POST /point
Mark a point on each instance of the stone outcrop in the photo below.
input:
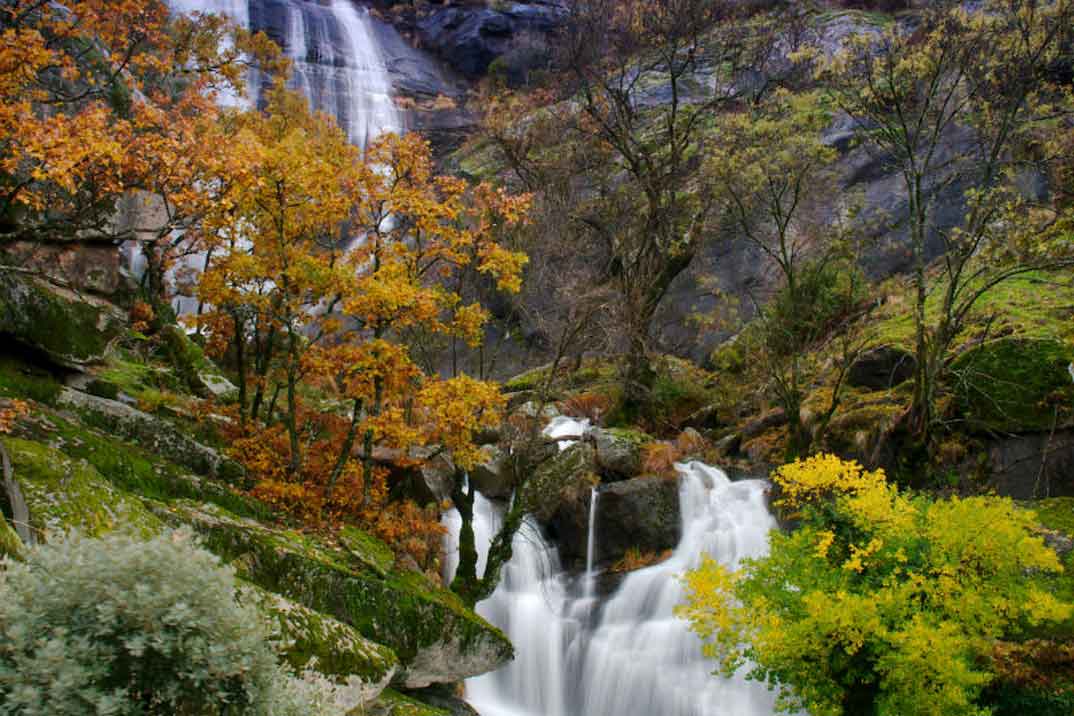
(157, 435)
(72, 330)
(881, 368)
(435, 637)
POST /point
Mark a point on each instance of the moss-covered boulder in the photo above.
(72, 330)
(393, 703)
(198, 372)
(563, 479)
(156, 435)
(619, 452)
(437, 639)
(312, 642)
(63, 494)
(1015, 385)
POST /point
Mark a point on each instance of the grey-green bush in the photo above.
(117, 626)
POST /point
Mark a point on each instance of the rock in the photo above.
(393, 703)
(436, 638)
(491, 476)
(367, 549)
(729, 444)
(1033, 466)
(529, 409)
(1062, 544)
(72, 330)
(471, 38)
(156, 435)
(199, 373)
(83, 265)
(641, 513)
(64, 494)
(358, 668)
(772, 419)
(881, 368)
(618, 452)
(564, 479)
(425, 475)
(443, 697)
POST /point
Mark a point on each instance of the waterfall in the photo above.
(337, 60)
(591, 545)
(635, 658)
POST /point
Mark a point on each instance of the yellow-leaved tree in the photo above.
(882, 602)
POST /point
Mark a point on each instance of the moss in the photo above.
(367, 549)
(19, 379)
(311, 639)
(139, 472)
(637, 438)
(571, 470)
(404, 612)
(1055, 513)
(69, 329)
(393, 703)
(103, 389)
(1014, 384)
(63, 494)
(10, 544)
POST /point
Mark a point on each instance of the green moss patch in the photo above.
(367, 549)
(1015, 384)
(64, 494)
(19, 379)
(1055, 513)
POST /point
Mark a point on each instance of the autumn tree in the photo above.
(882, 602)
(958, 100)
(105, 102)
(629, 120)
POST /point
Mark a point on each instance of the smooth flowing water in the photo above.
(626, 655)
(338, 63)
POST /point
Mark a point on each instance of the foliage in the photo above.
(118, 626)
(882, 602)
(961, 70)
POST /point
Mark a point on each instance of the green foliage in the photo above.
(119, 626)
(824, 295)
(882, 602)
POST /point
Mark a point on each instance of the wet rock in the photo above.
(618, 452)
(642, 513)
(1033, 466)
(491, 476)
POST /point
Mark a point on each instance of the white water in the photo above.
(637, 659)
(338, 63)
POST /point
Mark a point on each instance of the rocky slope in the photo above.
(108, 442)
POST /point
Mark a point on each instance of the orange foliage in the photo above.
(659, 458)
(591, 405)
(10, 413)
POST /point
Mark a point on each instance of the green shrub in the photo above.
(116, 626)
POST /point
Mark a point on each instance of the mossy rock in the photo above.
(437, 639)
(72, 330)
(155, 434)
(65, 494)
(315, 641)
(393, 703)
(367, 549)
(1015, 385)
(198, 372)
(567, 475)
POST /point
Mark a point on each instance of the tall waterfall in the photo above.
(337, 60)
(632, 656)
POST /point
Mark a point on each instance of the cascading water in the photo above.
(337, 60)
(631, 656)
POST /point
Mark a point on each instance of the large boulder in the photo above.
(62, 494)
(561, 481)
(642, 514)
(1032, 466)
(618, 452)
(70, 329)
(492, 475)
(437, 639)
